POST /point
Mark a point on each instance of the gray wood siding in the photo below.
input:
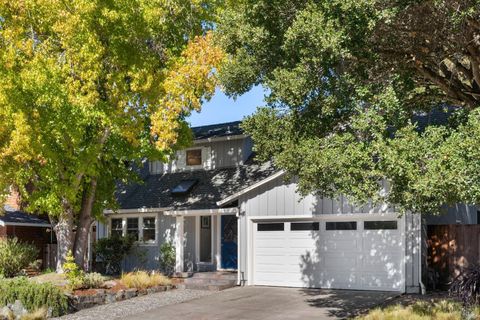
(220, 154)
(457, 214)
(189, 255)
(277, 198)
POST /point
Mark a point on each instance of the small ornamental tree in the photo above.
(89, 88)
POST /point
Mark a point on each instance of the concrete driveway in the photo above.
(271, 303)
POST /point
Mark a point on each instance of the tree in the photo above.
(88, 88)
(349, 84)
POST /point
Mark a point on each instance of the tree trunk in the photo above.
(85, 220)
(64, 233)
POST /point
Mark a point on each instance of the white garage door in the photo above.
(356, 254)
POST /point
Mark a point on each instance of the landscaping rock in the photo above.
(109, 284)
(6, 314)
(130, 293)
(120, 295)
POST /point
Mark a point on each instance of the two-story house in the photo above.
(225, 211)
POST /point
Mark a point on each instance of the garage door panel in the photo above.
(338, 259)
(328, 244)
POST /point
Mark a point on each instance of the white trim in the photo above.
(138, 210)
(201, 212)
(22, 224)
(197, 238)
(250, 188)
(218, 139)
(179, 245)
(218, 254)
(212, 240)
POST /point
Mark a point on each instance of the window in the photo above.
(132, 227)
(184, 187)
(350, 225)
(270, 227)
(117, 227)
(304, 226)
(194, 157)
(380, 225)
(149, 229)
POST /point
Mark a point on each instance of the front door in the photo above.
(229, 242)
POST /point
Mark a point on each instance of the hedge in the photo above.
(33, 295)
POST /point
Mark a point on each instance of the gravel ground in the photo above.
(121, 309)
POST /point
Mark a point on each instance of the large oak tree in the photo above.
(350, 84)
(88, 88)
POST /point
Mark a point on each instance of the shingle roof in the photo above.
(213, 185)
(10, 215)
(217, 130)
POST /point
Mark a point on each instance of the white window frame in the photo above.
(140, 227)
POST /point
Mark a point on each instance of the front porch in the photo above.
(206, 240)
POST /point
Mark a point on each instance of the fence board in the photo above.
(451, 249)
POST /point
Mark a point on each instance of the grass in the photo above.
(143, 280)
(423, 310)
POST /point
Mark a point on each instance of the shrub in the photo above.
(93, 280)
(112, 251)
(466, 286)
(15, 256)
(75, 276)
(143, 280)
(420, 310)
(167, 258)
(33, 295)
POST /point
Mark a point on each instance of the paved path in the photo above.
(270, 303)
(122, 309)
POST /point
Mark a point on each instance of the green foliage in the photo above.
(93, 280)
(111, 251)
(143, 280)
(422, 310)
(15, 256)
(346, 80)
(88, 89)
(33, 295)
(73, 273)
(167, 257)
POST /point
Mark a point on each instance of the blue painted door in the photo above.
(229, 242)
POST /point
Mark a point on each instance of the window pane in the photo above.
(117, 229)
(194, 157)
(270, 227)
(304, 226)
(148, 229)
(378, 225)
(350, 225)
(132, 227)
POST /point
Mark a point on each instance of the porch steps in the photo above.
(212, 281)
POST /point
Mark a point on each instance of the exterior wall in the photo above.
(277, 198)
(3, 232)
(189, 254)
(216, 154)
(412, 252)
(458, 214)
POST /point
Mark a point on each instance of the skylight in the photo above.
(184, 187)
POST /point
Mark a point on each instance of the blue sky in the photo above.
(223, 109)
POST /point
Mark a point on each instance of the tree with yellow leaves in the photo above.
(88, 88)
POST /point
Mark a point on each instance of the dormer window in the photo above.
(194, 157)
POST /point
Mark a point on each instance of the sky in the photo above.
(223, 109)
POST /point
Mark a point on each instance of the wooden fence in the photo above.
(451, 249)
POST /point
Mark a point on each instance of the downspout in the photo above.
(423, 290)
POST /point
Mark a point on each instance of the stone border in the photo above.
(103, 296)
